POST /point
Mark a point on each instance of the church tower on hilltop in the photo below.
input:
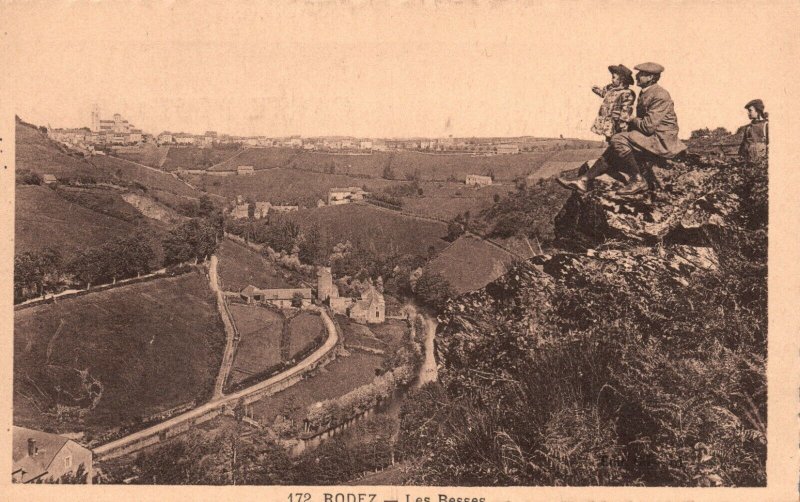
(95, 118)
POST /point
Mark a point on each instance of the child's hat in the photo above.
(622, 71)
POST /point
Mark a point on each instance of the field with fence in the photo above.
(259, 347)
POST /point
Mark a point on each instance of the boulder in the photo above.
(693, 197)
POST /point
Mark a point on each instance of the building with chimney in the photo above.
(43, 457)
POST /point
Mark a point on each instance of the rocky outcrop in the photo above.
(693, 198)
(632, 353)
(643, 244)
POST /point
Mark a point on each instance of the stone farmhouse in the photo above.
(478, 180)
(281, 298)
(370, 308)
(41, 456)
(284, 208)
(345, 195)
(261, 209)
(240, 211)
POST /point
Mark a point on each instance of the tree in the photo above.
(281, 235)
(388, 173)
(297, 299)
(310, 246)
(205, 207)
(87, 266)
(195, 240)
(433, 289)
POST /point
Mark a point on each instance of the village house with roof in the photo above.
(345, 195)
(40, 456)
(478, 180)
(278, 297)
(370, 308)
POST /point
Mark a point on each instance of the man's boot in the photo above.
(636, 183)
(635, 186)
(581, 184)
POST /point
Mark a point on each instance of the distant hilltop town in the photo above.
(117, 133)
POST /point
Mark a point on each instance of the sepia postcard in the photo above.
(422, 251)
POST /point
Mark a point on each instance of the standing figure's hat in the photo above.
(757, 104)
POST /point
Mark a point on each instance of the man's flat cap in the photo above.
(649, 67)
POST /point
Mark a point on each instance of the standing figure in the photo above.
(617, 107)
(755, 142)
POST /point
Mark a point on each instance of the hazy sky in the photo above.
(375, 69)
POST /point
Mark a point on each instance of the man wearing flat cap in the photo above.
(653, 130)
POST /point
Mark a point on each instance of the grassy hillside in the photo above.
(372, 228)
(259, 158)
(129, 172)
(43, 218)
(240, 266)
(105, 359)
(445, 200)
(148, 154)
(34, 151)
(402, 165)
(74, 218)
(192, 157)
(282, 185)
(470, 263)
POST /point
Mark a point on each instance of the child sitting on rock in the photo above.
(617, 107)
(756, 134)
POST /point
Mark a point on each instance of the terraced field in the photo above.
(336, 379)
(260, 329)
(303, 329)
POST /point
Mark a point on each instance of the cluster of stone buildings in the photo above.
(369, 307)
(241, 209)
(115, 131)
(337, 196)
